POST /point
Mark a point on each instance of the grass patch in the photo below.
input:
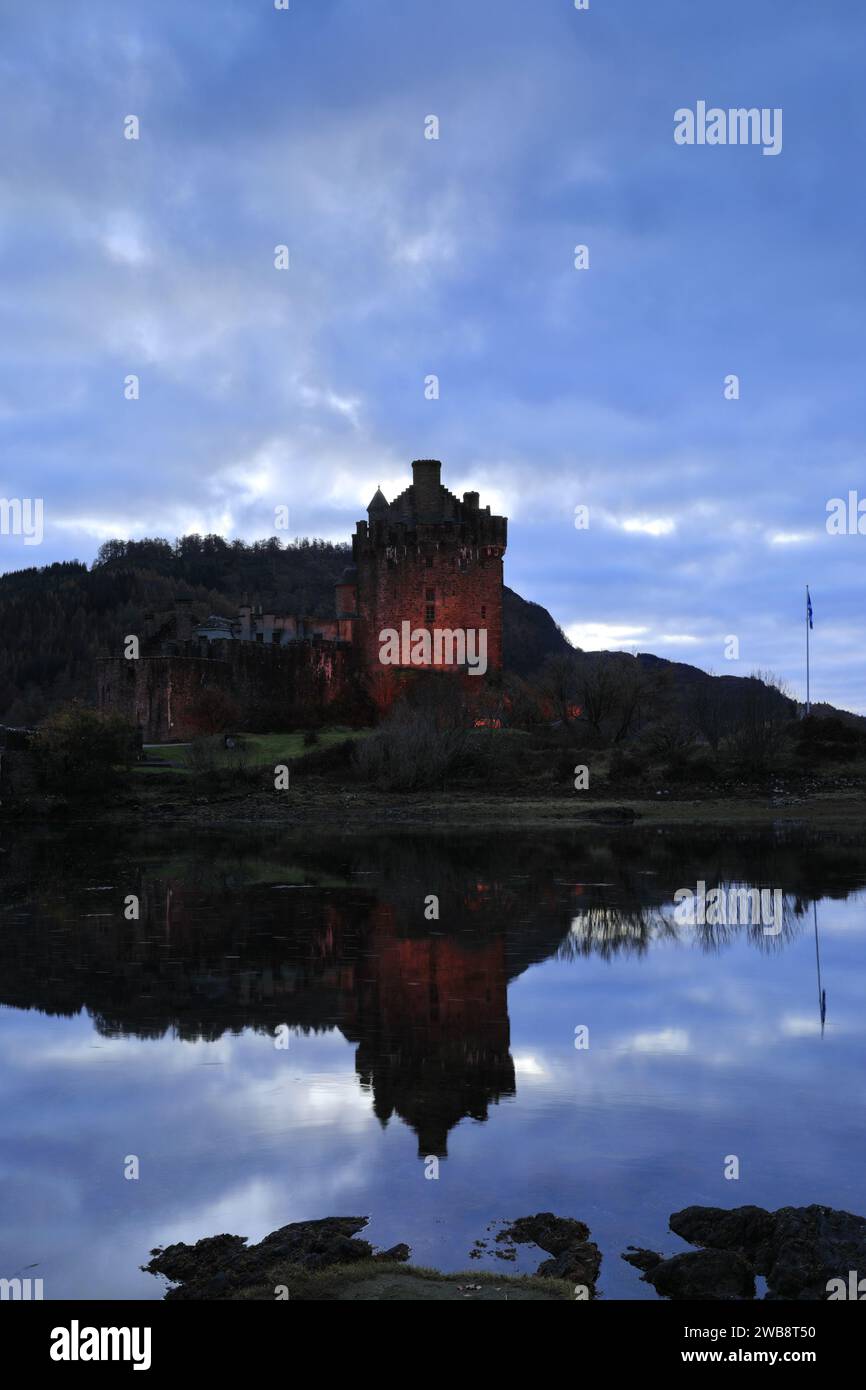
(257, 750)
(380, 1281)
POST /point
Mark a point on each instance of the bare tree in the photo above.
(597, 691)
(559, 685)
(763, 709)
(709, 708)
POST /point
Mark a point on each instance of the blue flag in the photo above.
(809, 606)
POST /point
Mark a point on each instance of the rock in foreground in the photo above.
(798, 1250)
(575, 1257)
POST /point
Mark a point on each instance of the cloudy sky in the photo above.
(411, 257)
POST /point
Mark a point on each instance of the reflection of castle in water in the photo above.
(342, 943)
(431, 1022)
(426, 1008)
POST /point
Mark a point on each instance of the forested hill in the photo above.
(55, 621)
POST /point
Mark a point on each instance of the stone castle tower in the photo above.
(427, 559)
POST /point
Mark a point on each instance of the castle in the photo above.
(427, 563)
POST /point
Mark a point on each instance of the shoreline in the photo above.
(329, 807)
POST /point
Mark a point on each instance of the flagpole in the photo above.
(822, 997)
(808, 702)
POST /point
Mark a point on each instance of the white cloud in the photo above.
(800, 1026)
(124, 240)
(790, 537)
(592, 637)
(650, 526)
(666, 1040)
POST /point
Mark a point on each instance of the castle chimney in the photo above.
(183, 620)
(426, 488)
(471, 499)
(347, 593)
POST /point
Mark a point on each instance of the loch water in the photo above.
(278, 1027)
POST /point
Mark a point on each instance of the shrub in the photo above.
(626, 766)
(82, 751)
(829, 738)
(202, 756)
(334, 757)
(703, 767)
(208, 760)
(677, 768)
(410, 751)
(504, 758)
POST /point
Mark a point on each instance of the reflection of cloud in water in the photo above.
(666, 1040)
(403, 1036)
(529, 1066)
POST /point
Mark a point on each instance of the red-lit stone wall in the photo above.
(461, 582)
(163, 694)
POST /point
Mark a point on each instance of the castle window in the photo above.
(429, 562)
(483, 611)
(431, 595)
(431, 614)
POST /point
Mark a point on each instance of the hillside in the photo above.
(55, 621)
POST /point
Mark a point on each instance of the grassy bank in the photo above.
(507, 777)
(356, 779)
(378, 1281)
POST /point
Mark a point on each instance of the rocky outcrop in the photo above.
(220, 1266)
(576, 1258)
(744, 1229)
(322, 1260)
(798, 1250)
(703, 1275)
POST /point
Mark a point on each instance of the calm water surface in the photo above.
(411, 1038)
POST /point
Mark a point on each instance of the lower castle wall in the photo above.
(180, 696)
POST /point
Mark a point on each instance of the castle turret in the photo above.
(378, 505)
